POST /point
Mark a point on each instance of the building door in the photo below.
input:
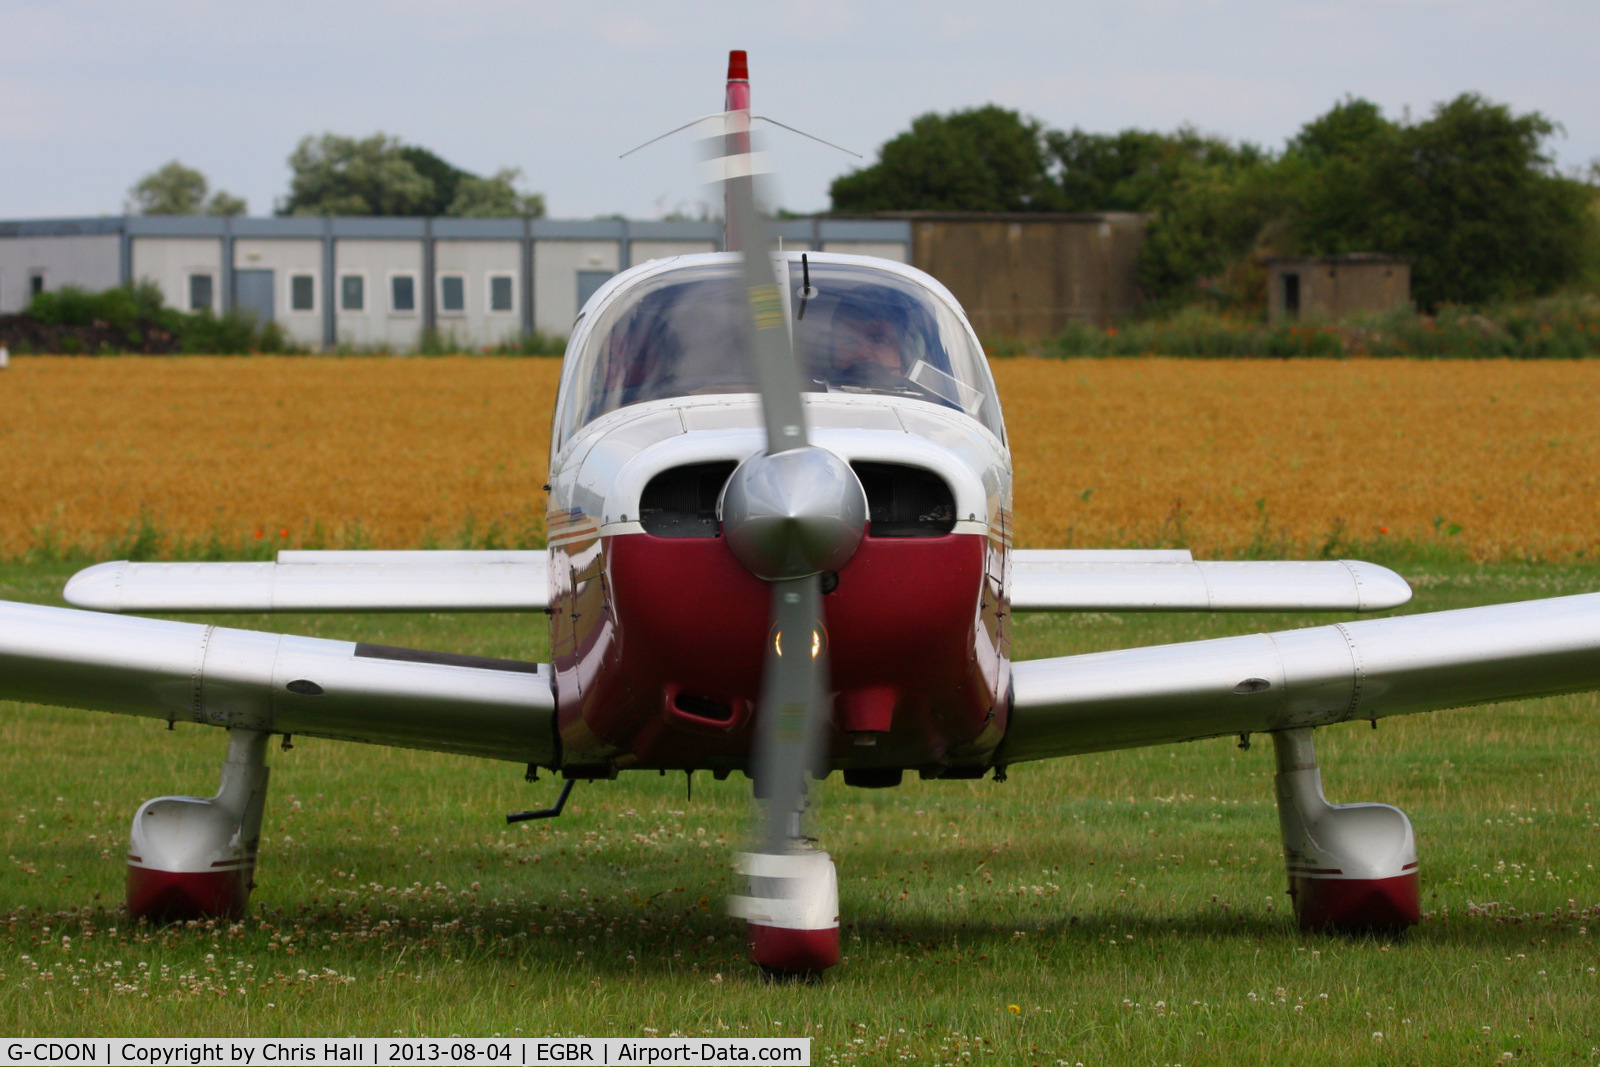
(589, 283)
(252, 293)
(1291, 294)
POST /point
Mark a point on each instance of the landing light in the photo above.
(816, 643)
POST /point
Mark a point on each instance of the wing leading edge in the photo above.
(1110, 581)
(1297, 678)
(178, 671)
(322, 581)
(519, 581)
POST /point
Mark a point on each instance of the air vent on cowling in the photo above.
(905, 501)
(682, 502)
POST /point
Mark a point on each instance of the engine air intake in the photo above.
(682, 502)
(905, 501)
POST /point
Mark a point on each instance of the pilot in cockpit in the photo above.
(866, 347)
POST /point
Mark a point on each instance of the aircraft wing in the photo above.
(178, 671)
(1172, 581)
(1069, 580)
(322, 581)
(1310, 677)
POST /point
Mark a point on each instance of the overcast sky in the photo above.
(94, 94)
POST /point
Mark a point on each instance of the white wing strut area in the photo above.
(318, 581)
(1311, 677)
(186, 672)
(1108, 581)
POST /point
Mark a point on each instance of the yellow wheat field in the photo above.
(1508, 452)
(404, 452)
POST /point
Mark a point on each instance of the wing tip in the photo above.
(97, 588)
(1377, 587)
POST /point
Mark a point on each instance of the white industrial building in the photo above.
(381, 282)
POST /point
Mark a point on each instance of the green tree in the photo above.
(336, 175)
(225, 203)
(444, 177)
(1472, 198)
(1209, 230)
(1354, 128)
(981, 159)
(378, 175)
(175, 189)
(1132, 170)
(1332, 165)
(494, 197)
(1468, 195)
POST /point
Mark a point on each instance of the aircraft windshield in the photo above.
(860, 330)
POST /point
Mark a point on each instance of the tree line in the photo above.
(1469, 194)
(336, 175)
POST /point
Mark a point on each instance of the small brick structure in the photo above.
(1030, 276)
(1332, 287)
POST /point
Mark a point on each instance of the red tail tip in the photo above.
(738, 66)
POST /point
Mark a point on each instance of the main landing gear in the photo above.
(190, 858)
(1352, 867)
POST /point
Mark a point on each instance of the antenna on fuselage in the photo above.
(733, 124)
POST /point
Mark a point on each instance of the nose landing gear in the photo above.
(792, 911)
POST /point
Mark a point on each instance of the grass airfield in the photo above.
(1119, 908)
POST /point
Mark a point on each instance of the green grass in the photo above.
(1556, 327)
(1119, 908)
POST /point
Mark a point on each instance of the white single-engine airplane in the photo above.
(779, 543)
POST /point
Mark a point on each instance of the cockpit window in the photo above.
(856, 330)
(680, 333)
(869, 331)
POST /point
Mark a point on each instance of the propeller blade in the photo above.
(788, 514)
(790, 718)
(789, 728)
(772, 358)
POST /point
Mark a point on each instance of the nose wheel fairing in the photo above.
(792, 913)
(666, 671)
